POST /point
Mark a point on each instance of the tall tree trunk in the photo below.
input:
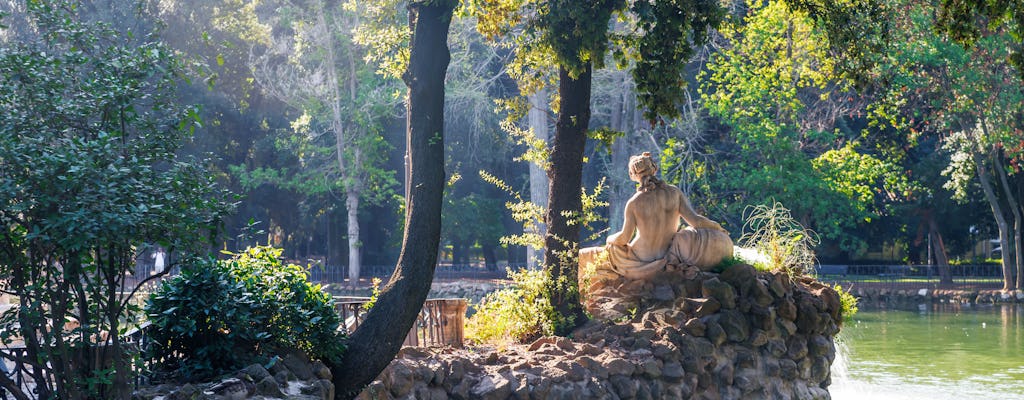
(997, 212)
(537, 118)
(352, 181)
(378, 339)
(1018, 251)
(354, 259)
(621, 187)
(561, 244)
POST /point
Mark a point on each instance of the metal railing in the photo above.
(973, 276)
(439, 323)
(14, 361)
(338, 274)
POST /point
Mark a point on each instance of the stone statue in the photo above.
(653, 215)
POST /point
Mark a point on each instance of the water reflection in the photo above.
(935, 352)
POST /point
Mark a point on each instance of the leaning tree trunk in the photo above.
(997, 212)
(1018, 250)
(380, 336)
(561, 244)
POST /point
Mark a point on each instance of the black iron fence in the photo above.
(439, 323)
(16, 366)
(338, 274)
(976, 276)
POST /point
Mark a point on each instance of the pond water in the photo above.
(935, 353)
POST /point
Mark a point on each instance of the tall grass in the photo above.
(782, 243)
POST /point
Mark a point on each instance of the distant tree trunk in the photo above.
(997, 212)
(490, 259)
(1018, 250)
(459, 253)
(538, 122)
(619, 185)
(561, 244)
(354, 259)
(938, 249)
(352, 184)
(378, 339)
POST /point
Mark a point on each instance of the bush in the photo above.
(516, 314)
(848, 304)
(781, 242)
(220, 315)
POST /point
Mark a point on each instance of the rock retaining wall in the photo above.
(907, 298)
(738, 335)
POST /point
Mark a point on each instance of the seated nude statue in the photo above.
(658, 245)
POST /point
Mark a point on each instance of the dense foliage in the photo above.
(89, 181)
(219, 315)
(519, 313)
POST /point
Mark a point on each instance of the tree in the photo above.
(966, 22)
(773, 84)
(311, 64)
(89, 180)
(970, 96)
(380, 336)
(573, 37)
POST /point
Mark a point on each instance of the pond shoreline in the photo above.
(881, 298)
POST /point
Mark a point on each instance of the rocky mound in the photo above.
(293, 377)
(736, 335)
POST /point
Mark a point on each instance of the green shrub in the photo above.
(848, 303)
(516, 314)
(220, 315)
(729, 262)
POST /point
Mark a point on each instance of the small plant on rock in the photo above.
(782, 243)
(847, 303)
(219, 315)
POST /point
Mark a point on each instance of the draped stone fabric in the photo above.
(700, 248)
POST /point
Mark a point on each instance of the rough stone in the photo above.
(788, 369)
(492, 387)
(186, 392)
(268, 387)
(255, 372)
(807, 320)
(663, 293)
(735, 325)
(399, 378)
(797, 346)
(820, 346)
(721, 291)
(715, 333)
(673, 370)
(624, 387)
(786, 309)
(619, 366)
(695, 327)
(740, 276)
(299, 364)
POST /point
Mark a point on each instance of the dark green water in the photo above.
(932, 354)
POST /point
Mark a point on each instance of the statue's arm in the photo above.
(622, 238)
(692, 218)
